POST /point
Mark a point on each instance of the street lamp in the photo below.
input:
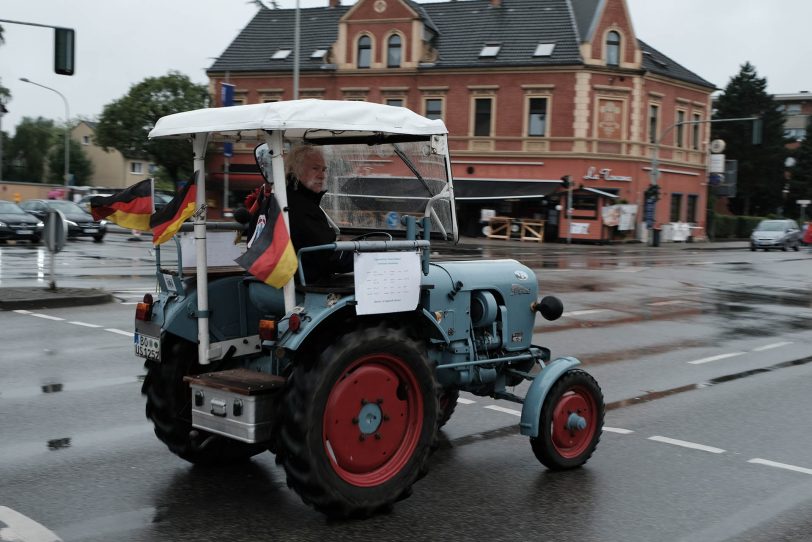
(67, 132)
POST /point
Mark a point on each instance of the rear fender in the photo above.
(539, 387)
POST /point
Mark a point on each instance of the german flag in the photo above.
(131, 208)
(166, 222)
(271, 257)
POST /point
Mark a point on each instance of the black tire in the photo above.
(797, 246)
(560, 448)
(36, 240)
(98, 238)
(169, 407)
(360, 421)
(752, 248)
(784, 247)
(448, 403)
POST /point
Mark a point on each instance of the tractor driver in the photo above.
(309, 226)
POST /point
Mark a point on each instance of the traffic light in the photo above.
(653, 192)
(64, 50)
(565, 181)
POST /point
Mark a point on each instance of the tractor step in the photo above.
(238, 403)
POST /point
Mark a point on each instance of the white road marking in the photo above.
(120, 332)
(771, 346)
(464, 401)
(84, 324)
(686, 444)
(767, 462)
(617, 430)
(133, 303)
(631, 269)
(669, 302)
(23, 529)
(45, 316)
(583, 312)
(505, 410)
(716, 358)
(21, 311)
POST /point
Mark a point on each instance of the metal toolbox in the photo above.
(237, 403)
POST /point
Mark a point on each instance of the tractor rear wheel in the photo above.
(571, 422)
(169, 407)
(360, 421)
(448, 403)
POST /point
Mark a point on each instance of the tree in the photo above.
(28, 149)
(125, 123)
(800, 186)
(761, 166)
(80, 166)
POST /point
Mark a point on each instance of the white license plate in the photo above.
(24, 232)
(147, 347)
(91, 230)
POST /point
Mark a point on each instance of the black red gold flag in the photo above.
(166, 222)
(271, 257)
(131, 208)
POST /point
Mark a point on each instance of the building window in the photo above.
(680, 135)
(586, 204)
(281, 54)
(395, 102)
(393, 52)
(136, 167)
(85, 140)
(318, 54)
(697, 131)
(613, 49)
(544, 49)
(693, 199)
(482, 116)
(490, 50)
(676, 207)
(653, 122)
(793, 109)
(364, 52)
(537, 117)
(434, 108)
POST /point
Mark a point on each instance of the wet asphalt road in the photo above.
(703, 356)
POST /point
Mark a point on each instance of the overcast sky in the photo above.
(121, 42)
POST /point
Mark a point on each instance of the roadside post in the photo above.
(803, 203)
(55, 236)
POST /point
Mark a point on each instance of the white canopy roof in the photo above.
(316, 118)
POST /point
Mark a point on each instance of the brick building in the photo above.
(530, 90)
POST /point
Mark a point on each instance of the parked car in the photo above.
(80, 222)
(781, 234)
(16, 224)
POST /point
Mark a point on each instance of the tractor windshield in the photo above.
(370, 187)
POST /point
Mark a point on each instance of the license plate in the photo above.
(24, 232)
(91, 230)
(147, 347)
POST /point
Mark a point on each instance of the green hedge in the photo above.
(734, 227)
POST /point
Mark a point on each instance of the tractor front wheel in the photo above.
(359, 422)
(571, 422)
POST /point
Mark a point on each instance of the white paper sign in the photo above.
(581, 228)
(386, 282)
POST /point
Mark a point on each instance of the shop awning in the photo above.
(467, 189)
(601, 193)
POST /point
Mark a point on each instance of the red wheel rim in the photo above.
(373, 419)
(570, 443)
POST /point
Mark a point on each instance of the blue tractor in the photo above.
(348, 380)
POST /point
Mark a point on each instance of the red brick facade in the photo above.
(597, 127)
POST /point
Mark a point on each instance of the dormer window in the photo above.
(364, 52)
(544, 49)
(490, 50)
(318, 54)
(613, 49)
(281, 54)
(393, 54)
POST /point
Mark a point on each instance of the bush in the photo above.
(734, 227)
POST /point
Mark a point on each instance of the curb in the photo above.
(44, 298)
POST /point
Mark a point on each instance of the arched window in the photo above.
(613, 49)
(364, 52)
(393, 52)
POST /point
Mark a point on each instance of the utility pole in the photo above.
(566, 182)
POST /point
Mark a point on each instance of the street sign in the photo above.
(803, 201)
(717, 163)
(648, 212)
(56, 231)
(715, 179)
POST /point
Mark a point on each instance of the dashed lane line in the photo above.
(716, 358)
(464, 401)
(120, 332)
(669, 302)
(767, 462)
(618, 430)
(38, 315)
(22, 528)
(686, 444)
(771, 346)
(83, 324)
(583, 312)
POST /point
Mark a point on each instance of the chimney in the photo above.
(496, 3)
(335, 3)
